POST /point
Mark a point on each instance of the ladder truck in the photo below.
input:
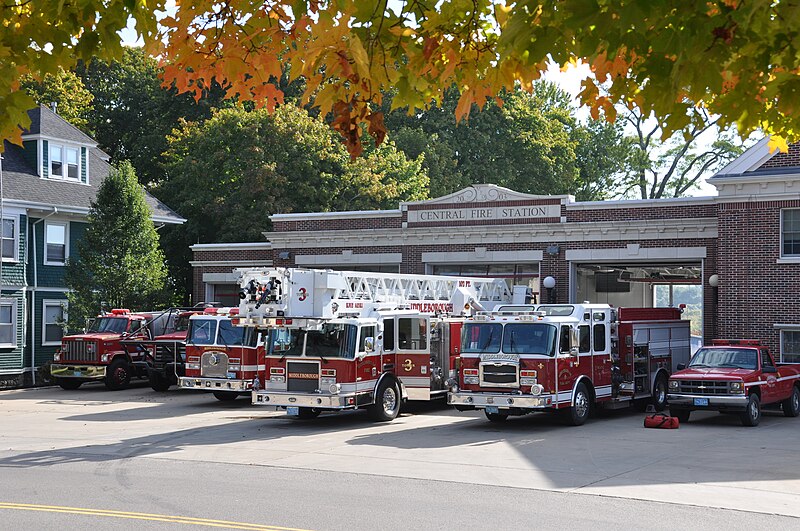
(340, 340)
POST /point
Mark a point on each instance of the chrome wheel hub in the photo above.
(581, 404)
(389, 400)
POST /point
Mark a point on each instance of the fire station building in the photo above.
(732, 259)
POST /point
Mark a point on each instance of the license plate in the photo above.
(492, 409)
(701, 401)
(78, 373)
(231, 375)
(293, 411)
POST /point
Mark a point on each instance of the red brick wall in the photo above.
(755, 292)
(339, 224)
(784, 160)
(641, 213)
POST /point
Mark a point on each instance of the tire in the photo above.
(118, 375)
(791, 406)
(308, 413)
(681, 414)
(68, 383)
(159, 383)
(387, 402)
(659, 400)
(495, 417)
(752, 415)
(226, 396)
(579, 411)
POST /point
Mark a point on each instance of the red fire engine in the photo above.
(220, 357)
(569, 357)
(340, 340)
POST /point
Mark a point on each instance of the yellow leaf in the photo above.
(777, 142)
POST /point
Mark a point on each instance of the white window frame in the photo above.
(782, 241)
(64, 305)
(15, 258)
(13, 304)
(64, 224)
(783, 332)
(62, 148)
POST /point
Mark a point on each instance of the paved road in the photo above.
(169, 457)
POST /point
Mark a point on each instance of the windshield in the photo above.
(114, 325)
(332, 341)
(202, 331)
(737, 358)
(482, 337)
(230, 335)
(529, 338)
(556, 311)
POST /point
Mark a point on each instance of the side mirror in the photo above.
(369, 344)
(574, 341)
(681, 366)
(573, 351)
(769, 370)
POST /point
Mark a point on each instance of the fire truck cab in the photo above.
(220, 357)
(571, 357)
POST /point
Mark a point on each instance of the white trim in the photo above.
(64, 224)
(351, 258)
(39, 136)
(81, 211)
(14, 310)
(635, 253)
(482, 256)
(359, 214)
(786, 325)
(752, 159)
(232, 263)
(485, 193)
(16, 220)
(642, 203)
(265, 246)
(64, 304)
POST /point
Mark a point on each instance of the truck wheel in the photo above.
(579, 411)
(752, 415)
(495, 417)
(681, 414)
(118, 375)
(791, 406)
(158, 383)
(68, 383)
(660, 393)
(387, 402)
(308, 413)
(225, 396)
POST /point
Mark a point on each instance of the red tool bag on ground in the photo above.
(660, 420)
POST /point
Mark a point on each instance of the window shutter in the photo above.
(84, 177)
(45, 159)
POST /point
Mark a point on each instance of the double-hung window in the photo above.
(72, 163)
(56, 161)
(64, 162)
(8, 241)
(790, 232)
(56, 234)
(790, 346)
(8, 322)
(55, 315)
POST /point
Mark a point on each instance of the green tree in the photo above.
(65, 89)
(119, 263)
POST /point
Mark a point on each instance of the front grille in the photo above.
(498, 374)
(703, 387)
(214, 364)
(165, 352)
(302, 376)
(79, 351)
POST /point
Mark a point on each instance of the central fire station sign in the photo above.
(484, 213)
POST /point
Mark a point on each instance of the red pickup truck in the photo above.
(734, 376)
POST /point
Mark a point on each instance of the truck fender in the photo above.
(656, 375)
(390, 376)
(589, 387)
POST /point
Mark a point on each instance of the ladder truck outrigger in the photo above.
(339, 340)
(568, 357)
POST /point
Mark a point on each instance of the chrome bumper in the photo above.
(714, 401)
(214, 384)
(84, 372)
(284, 399)
(499, 400)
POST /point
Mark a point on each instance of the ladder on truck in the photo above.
(298, 293)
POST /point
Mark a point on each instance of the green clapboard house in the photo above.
(47, 187)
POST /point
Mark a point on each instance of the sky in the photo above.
(569, 81)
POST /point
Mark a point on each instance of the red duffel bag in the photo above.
(660, 420)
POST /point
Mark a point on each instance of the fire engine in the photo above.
(570, 357)
(339, 340)
(98, 353)
(220, 357)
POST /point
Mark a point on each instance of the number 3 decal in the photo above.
(303, 294)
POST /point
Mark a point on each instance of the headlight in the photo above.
(335, 388)
(471, 380)
(57, 356)
(527, 381)
(674, 385)
(737, 387)
(105, 357)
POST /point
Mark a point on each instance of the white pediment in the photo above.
(484, 193)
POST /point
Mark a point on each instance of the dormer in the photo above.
(55, 148)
